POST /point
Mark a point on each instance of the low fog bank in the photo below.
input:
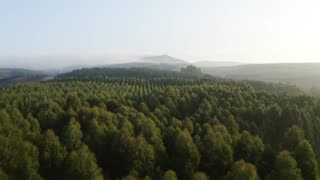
(59, 62)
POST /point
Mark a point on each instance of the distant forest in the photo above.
(140, 123)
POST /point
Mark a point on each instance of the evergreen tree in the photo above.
(200, 176)
(81, 164)
(18, 158)
(249, 147)
(293, 137)
(217, 152)
(307, 160)
(170, 175)
(285, 168)
(186, 156)
(242, 170)
(72, 135)
(52, 155)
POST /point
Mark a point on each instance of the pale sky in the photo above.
(254, 31)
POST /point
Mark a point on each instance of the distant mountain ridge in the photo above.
(163, 59)
(215, 63)
(13, 76)
(304, 75)
(167, 62)
(9, 72)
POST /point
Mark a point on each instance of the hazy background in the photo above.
(68, 32)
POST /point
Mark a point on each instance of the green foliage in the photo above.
(200, 176)
(249, 147)
(81, 164)
(52, 155)
(169, 175)
(140, 123)
(72, 135)
(3, 175)
(191, 70)
(307, 160)
(293, 137)
(145, 158)
(186, 157)
(73, 101)
(285, 168)
(216, 150)
(18, 158)
(232, 126)
(242, 170)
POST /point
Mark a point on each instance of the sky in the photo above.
(66, 32)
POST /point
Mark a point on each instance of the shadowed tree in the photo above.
(72, 135)
(293, 137)
(18, 158)
(242, 170)
(185, 158)
(73, 101)
(3, 175)
(200, 176)
(52, 155)
(216, 151)
(170, 175)
(145, 158)
(81, 164)
(307, 160)
(248, 147)
(285, 168)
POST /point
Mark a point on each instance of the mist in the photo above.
(50, 62)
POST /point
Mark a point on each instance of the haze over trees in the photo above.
(140, 123)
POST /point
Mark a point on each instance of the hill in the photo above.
(162, 62)
(4, 82)
(13, 76)
(163, 59)
(206, 64)
(161, 66)
(165, 62)
(304, 75)
(7, 72)
(186, 74)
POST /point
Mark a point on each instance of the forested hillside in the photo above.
(13, 76)
(7, 72)
(304, 75)
(151, 124)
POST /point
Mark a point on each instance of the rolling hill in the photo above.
(304, 75)
(13, 76)
(163, 59)
(8, 72)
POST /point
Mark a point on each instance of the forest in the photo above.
(140, 123)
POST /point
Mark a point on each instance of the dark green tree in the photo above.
(293, 137)
(307, 162)
(72, 135)
(18, 158)
(170, 175)
(81, 164)
(248, 147)
(285, 168)
(242, 170)
(200, 176)
(186, 157)
(52, 155)
(216, 151)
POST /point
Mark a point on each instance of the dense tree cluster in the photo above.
(130, 124)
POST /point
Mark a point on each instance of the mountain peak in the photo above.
(165, 56)
(163, 59)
